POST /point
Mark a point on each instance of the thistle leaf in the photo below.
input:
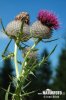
(7, 93)
(26, 94)
(26, 85)
(45, 59)
(50, 40)
(32, 74)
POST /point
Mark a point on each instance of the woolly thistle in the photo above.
(19, 30)
(14, 27)
(42, 28)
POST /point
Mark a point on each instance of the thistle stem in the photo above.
(15, 60)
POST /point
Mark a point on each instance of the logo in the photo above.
(48, 93)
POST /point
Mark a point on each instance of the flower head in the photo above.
(49, 19)
(39, 30)
(14, 28)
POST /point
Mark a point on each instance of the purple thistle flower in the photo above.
(49, 19)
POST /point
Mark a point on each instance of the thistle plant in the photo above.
(20, 31)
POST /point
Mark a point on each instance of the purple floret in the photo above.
(49, 19)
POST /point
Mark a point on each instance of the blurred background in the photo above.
(52, 74)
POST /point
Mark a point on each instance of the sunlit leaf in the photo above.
(7, 93)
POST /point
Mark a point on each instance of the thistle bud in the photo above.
(32, 54)
(14, 27)
(38, 30)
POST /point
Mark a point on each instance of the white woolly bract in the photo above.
(38, 30)
(13, 28)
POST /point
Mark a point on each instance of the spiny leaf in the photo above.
(26, 94)
(8, 56)
(7, 93)
(52, 51)
(26, 85)
(3, 27)
(32, 74)
(45, 59)
(50, 40)
(7, 47)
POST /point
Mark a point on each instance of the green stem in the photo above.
(15, 60)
